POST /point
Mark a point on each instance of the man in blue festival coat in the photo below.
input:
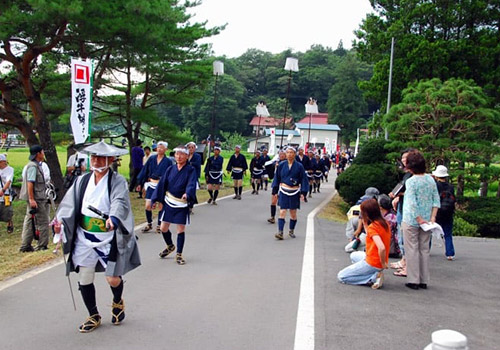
(176, 192)
(213, 175)
(149, 177)
(256, 171)
(290, 181)
(305, 161)
(265, 176)
(237, 167)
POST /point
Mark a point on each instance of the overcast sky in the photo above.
(277, 25)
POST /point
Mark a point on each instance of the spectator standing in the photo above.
(445, 214)
(420, 206)
(6, 176)
(36, 221)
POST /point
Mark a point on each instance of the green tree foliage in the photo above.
(434, 39)
(346, 104)
(229, 114)
(450, 123)
(154, 37)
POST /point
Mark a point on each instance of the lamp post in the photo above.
(291, 65)
(311, 107)
(218, 70)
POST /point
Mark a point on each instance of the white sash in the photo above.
(174, 202)
(237, 170)
(217, 174)
(288, 191)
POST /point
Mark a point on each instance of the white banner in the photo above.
(81, 98)
(272, 146)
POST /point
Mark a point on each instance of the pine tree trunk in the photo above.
(460, 180)
(42, 127)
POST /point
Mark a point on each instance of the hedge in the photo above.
(353, 182)
(482, 212)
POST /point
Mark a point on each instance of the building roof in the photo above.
(327, 127)
(316, 118)
(268, 121)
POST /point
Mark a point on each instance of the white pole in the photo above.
(389, 90)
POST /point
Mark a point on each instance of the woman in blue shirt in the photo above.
(420, 206)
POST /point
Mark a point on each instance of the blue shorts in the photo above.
(289, 202)
(179, 216)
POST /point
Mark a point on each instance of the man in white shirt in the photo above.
(6, 176)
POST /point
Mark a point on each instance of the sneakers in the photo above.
(271, 220)
(117, 312)
(279, 236)
(450, 258)
(167, 251)
(291, 234)
(147, 228)
(379, 281)
(179, 260)
(91, 323)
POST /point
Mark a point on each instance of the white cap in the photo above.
(441, 171)
(3, 157)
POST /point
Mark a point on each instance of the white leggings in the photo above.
(86, 275)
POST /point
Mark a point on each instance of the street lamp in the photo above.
(291, 65)
(218, 70)
(311, 107)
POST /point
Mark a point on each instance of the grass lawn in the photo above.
(335, 210)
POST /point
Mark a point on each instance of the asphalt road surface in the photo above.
(242, 289)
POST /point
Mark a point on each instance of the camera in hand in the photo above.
(33, 211)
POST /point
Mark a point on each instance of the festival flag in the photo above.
(81, 98)
(273, 141)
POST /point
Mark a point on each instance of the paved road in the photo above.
(240, 289)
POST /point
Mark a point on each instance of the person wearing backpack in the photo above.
(444, 215)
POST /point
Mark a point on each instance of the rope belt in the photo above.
(175, 202)
(237, 170)
(91, 224)
(215, 174)
(257, 171)
(289, 190)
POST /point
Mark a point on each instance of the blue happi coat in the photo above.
(154, 170)
(177, 182)
(294, 176)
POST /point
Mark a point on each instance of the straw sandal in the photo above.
(117, 312)
(91, 323)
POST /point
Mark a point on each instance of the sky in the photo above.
(277, 25)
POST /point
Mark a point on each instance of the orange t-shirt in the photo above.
(372, 256)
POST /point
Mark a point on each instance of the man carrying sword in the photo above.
(97, 227)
